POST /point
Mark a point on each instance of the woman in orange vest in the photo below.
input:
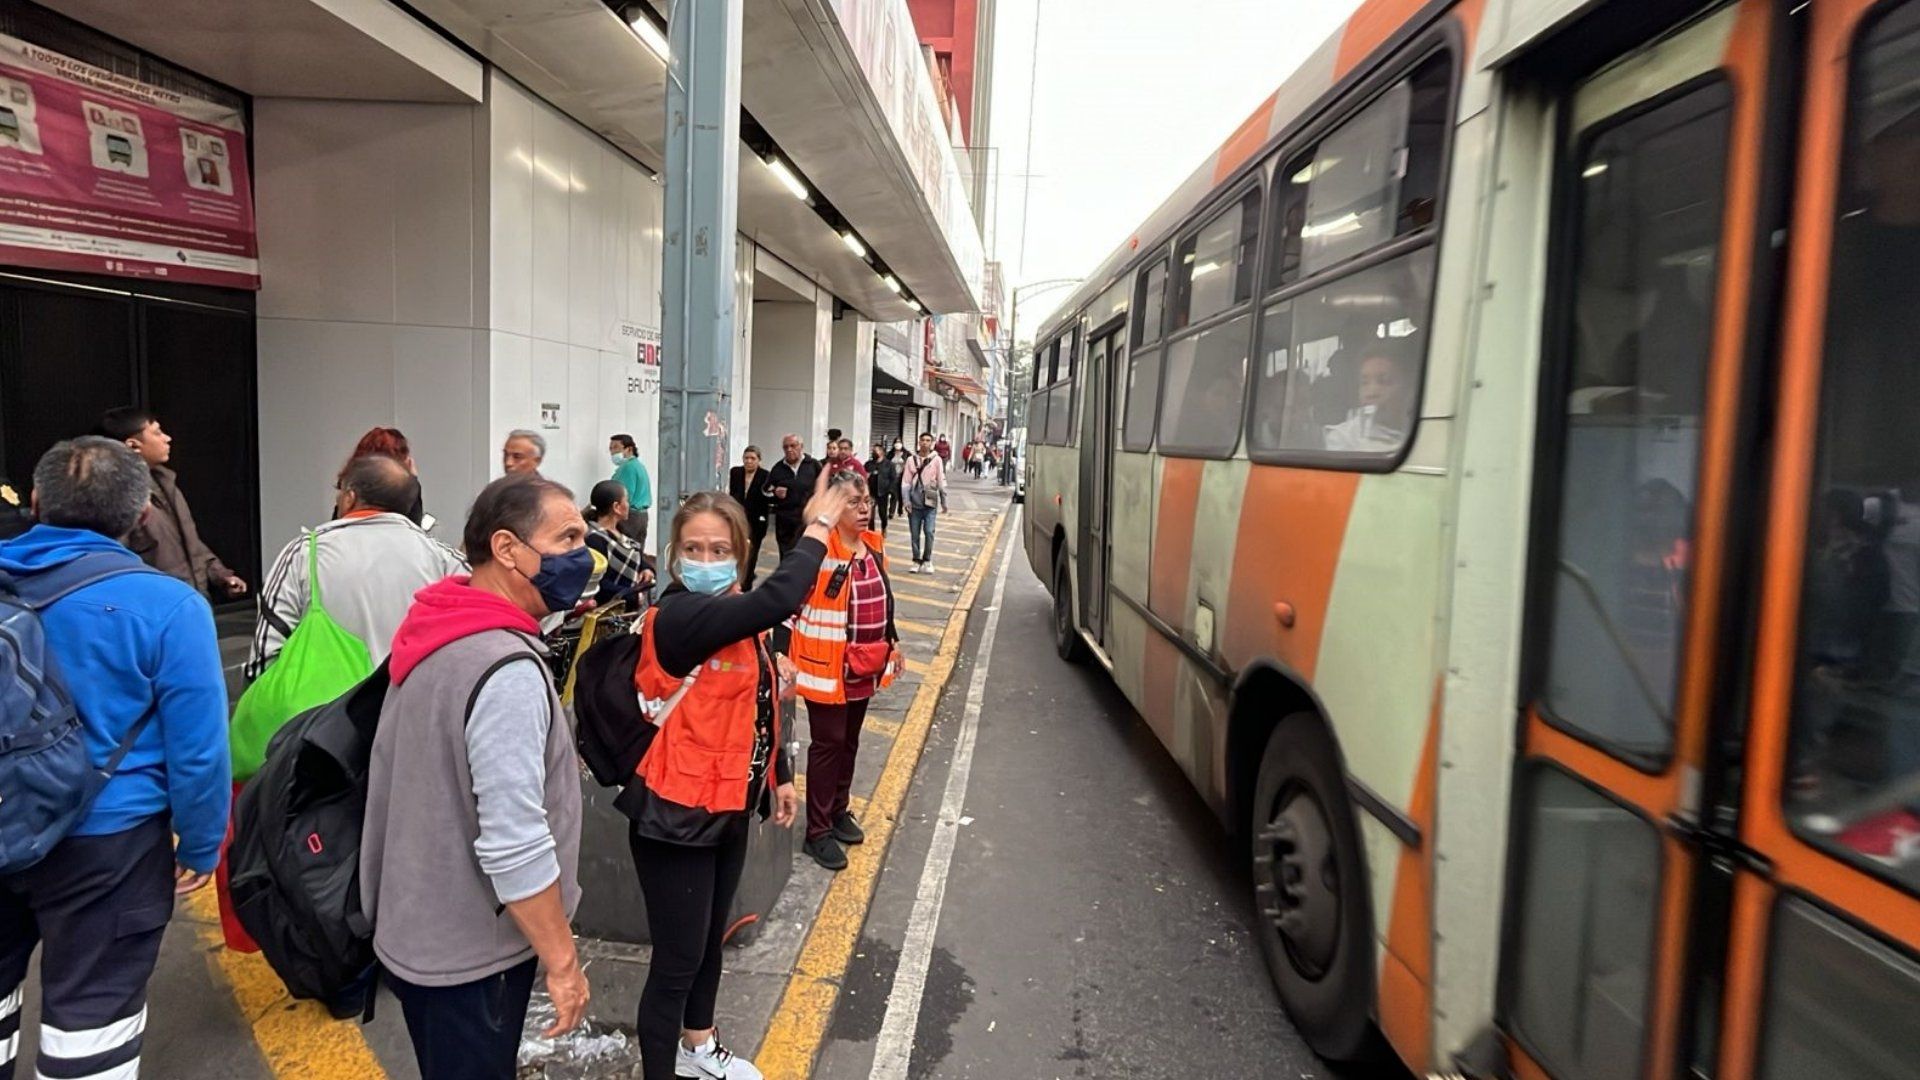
(844, 649)
(711, 689)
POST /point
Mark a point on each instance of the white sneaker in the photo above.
(712, 1062)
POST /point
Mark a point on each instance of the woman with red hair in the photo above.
(389, 442)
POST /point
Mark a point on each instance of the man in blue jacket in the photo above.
(129, 645)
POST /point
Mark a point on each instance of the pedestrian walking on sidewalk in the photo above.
(791, 481)
(844, 649)
(167, 539)
(712, 691)
(845, 460)
(923, 488)
(632, 475)
(472, 834)
(138, 653)
(747, 483)
(883, 482)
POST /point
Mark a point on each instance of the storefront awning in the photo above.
(888, 390)
(964, 384)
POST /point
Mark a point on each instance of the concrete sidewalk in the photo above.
(215, 1013)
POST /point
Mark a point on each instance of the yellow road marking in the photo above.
(927, 601)
(912, 627)
(800, 1020)
(889, 728)
(297, 1038)
(918, 667)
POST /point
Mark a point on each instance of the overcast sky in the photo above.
(1131, 96)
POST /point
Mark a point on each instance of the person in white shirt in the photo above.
(372, 560)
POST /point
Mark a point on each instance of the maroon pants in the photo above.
(835, 730)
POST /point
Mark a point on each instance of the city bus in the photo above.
(1487, 475)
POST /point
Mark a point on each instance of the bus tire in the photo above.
(1066, 635)
(1309, 891)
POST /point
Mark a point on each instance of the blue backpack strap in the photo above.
(62, 582)
(51, 586)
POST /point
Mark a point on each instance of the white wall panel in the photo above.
(510, 206)
(434, 403)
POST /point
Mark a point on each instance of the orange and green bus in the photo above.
(1488, 476)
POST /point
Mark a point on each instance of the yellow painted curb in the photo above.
(800, 1021)
(297, 1038)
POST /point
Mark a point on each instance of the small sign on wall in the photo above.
(550, 415)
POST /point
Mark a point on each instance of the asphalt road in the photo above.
(1094, 923)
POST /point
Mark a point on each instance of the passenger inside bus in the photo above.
(1379, 422)
(1856, 722)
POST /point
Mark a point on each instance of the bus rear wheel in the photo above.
(1309, 891)
(1066, 636)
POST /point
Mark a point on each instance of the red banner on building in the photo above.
(104, 174)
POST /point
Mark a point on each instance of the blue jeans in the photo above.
(920, 521)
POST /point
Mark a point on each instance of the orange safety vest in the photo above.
(819, 647)
(703, 754)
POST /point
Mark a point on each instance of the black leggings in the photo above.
(689, 891)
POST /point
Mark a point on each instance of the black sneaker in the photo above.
(828, 853)
(848, 831)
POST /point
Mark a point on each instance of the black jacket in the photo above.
(757, 502)
(798, 480)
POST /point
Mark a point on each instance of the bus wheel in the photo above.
(1309, 891)
(1066, 638)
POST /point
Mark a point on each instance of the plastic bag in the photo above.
(584, 1052)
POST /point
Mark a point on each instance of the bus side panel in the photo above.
(1129, 535)
(1375, 671)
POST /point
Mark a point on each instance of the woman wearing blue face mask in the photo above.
(707, 681)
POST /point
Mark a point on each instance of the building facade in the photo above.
(279, 223)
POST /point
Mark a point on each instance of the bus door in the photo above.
(1105, 355)
(1657, 243)
(1824, 971)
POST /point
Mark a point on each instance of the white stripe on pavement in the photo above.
(893, 1050)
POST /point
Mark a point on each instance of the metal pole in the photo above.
(702, 178)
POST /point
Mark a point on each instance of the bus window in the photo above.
(1340, 365)
(1143, 373)
(1855, 736)
(1214, 269)
(1649, 201)
(1375, 177)
(1143, 399)
(1206, 377)
(1837, 1000)
(1153, 286)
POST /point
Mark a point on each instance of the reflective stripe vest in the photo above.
(819, 648)
(702, 756)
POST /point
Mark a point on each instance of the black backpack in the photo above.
(609, 730)
(295, 859)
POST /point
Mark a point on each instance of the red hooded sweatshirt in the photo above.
(445, 612)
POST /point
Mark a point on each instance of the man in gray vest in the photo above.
(472, 834)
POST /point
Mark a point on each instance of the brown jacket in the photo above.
(170, 542)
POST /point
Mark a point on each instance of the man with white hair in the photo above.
(523, 452)
(791, 481)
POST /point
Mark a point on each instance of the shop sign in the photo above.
(104, 174)
(642, 343)
(893, 395)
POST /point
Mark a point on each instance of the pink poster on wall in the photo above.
(103, 174)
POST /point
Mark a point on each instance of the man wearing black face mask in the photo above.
(473, 806)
